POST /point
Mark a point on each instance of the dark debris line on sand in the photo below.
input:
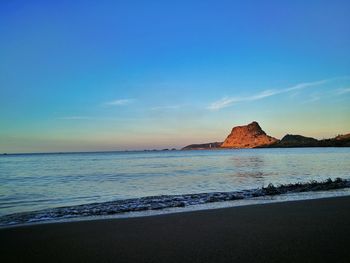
(166, 201)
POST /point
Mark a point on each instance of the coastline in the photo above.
(165, 204)
(309, 230)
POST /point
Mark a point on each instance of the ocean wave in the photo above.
(165, 201)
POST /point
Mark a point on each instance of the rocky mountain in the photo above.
(248, 136)
(291, 140)
(338, 141)
(252, 136)
(343, 137)
(302, 141)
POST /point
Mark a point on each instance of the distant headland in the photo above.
(252, 136)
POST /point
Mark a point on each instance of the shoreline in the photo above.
(310, 230)
(261, 200)
(164, 204)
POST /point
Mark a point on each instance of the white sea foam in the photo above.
(166, 201)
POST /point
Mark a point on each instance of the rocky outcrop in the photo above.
(203, 146)
(291, 140)
(343, 137)
(248, 136)
(252, 136)
(338, 141)
(302, 141)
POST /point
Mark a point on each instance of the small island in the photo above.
(253, 136)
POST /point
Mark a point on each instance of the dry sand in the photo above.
(301, 231)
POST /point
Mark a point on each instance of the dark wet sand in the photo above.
(301, 231)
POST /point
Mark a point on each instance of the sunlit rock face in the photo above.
(248, 136)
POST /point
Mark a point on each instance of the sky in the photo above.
(126, 75)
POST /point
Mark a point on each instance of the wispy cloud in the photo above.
(228, 101)
(342, 91)
(119, 102)
(306, 85)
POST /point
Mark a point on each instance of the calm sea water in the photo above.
(37, 181)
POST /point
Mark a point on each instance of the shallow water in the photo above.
(38, 181)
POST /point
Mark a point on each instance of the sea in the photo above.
(66, 186)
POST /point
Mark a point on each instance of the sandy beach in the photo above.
(298, 231)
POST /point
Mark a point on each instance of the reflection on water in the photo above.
(248, 166)
(254, 174)
(245, 161)
(32, 182)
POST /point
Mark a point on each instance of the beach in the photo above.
(296, 231)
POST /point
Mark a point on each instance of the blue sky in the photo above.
(115, 75)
